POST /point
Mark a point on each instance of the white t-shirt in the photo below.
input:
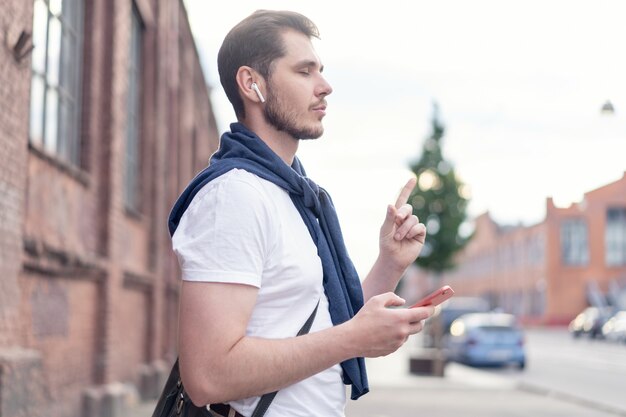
(242, 229)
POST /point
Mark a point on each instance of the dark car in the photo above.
(614, 329)
(487, 339)
(589, 322)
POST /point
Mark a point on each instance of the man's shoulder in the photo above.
(245, 177)
(240, 176)
(239, 184)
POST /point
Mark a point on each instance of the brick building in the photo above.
(101, 126)
(550, 271)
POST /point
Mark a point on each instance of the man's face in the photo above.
(296, 89)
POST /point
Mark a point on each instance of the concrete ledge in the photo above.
(112, 400)
(427, 362)
(21, 389)
(152, 379)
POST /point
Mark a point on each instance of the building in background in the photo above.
(548, 272)
(102, 125)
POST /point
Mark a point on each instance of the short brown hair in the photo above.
(256, 42)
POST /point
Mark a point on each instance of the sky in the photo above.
(519, 84)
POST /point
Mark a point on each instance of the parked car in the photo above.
(589, 322)
(615, 327)
(449, 311)
(487, 339)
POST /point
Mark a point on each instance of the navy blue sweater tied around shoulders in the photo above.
(241, 148)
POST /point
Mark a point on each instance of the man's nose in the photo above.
(324, 88)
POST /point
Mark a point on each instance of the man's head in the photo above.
(259, 45)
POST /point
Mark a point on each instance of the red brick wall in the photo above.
(89, 291)
(14, 98)
(133, 307)
(61, 318)
(506, 265)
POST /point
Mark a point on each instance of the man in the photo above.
(259, 246)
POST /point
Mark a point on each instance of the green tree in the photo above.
(440, 202)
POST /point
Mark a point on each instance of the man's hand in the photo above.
(402, 236)
(379, 330)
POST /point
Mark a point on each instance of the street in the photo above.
(564, 377)
(591, 371)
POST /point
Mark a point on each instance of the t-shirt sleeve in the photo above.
(223, 234)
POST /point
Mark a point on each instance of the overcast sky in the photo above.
(520, 85)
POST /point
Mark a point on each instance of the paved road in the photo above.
(466, 391)
(589, 371)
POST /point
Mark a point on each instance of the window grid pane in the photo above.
(574, 242)
(615, 237)
(64, 129)
(40, 30)
(54, 51)
(133, 149)
(55, 6)
(36, 109)
(52, 117)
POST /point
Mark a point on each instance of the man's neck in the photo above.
(283, 144)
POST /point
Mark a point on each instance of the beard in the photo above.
(283, 119)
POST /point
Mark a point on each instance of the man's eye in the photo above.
(304, 72)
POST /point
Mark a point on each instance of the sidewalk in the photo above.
(463, 391)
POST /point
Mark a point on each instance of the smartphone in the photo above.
(436, 297)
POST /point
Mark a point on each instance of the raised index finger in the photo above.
(403, 198)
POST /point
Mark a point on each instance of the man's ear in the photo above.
(245, 77)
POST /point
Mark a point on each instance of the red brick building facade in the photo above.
(102, 125)
(547, 273)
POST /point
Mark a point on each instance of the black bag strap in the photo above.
(174, 401)
(267, 399)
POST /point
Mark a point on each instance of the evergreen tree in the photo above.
(440, 201)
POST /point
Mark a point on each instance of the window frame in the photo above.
(62, 84)
(571, 253)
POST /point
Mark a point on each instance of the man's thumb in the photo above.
(393, 300)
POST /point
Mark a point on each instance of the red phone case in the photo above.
(435, 298)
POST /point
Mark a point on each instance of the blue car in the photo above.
(487, 339)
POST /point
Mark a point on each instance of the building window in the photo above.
(574, 242)
(55, 84)
(132, 192)
(536, 250)
(615, 237)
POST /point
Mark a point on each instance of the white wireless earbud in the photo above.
(258, 92)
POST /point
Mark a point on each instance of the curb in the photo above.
(571, 398)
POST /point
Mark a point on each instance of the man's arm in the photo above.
(219, 363)
(401, 240)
